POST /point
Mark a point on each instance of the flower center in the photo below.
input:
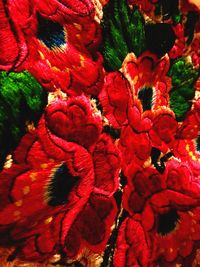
(160, 38)
(60, 186)
(51, 33)
(146, 95)
(198, 144)
(167, 222)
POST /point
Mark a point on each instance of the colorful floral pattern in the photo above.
(108, 175)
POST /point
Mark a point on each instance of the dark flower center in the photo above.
(198, 144)
(60, 186)
(115, 133)
(146, 95)
(160, 38)
(167, 221)
(50, 33)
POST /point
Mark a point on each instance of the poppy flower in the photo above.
(56, 195)
(148, 74)
(166, 205)
(144, 78)
(52, 41)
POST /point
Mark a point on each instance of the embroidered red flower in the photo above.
(164, 130)
(166, 205)
(52, 41)
(147, 77)
(60, 190)
(135, 143)
(143, 78)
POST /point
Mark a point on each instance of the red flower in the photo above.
(60, 190)
(52, 41)
(74, 121)
(164, 129)
(143, 78)
(148, 71)
(135, 143)
(166, 205)
(114, 98)
(131, 246)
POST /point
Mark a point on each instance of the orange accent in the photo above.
(19, 203)
(33, 176)
(48, 220)
(26, 190)
(44, 165)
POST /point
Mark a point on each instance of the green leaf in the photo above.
(123, 32)
(183, 78)
(22, 99)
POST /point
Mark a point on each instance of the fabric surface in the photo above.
(100, 133)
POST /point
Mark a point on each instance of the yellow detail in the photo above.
(191, 213)
(26, 190)
(82, 60)
(194, 157)
(48, 63)
(191, 153)
(55, 68)
(135, 79)
(44, 165)
(48, 220)
(187, 147)
(67, 70)
(78, 26)
(33, 176)
(19, 203)
(41, 55)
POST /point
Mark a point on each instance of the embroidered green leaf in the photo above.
(22, 99)
(183, 78)
(123, 32)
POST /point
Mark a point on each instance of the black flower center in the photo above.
(167, 221)
(51, 33)
(146, 96)
(60, 186)
(160, 38)
(115, 133)
(198, 144)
